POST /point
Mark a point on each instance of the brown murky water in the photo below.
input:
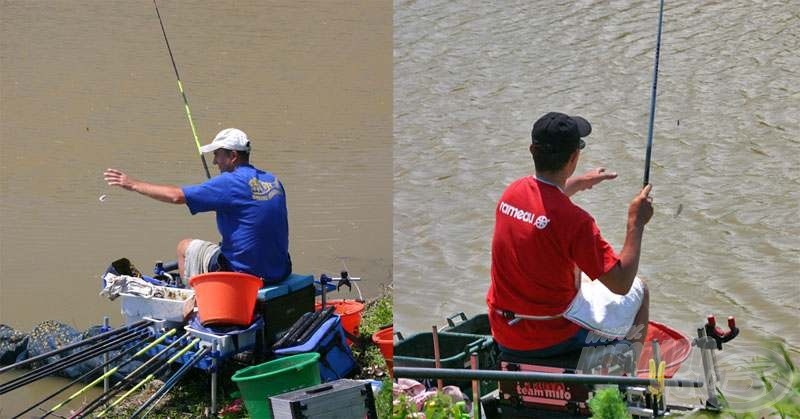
(88, 85)
(471, 77)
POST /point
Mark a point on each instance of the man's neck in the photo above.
(558, 179)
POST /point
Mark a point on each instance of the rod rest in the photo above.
(720, 336)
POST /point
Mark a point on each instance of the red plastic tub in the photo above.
(225, 298)
(384, 338)
(350, 313)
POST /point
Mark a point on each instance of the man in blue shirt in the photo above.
(251, 213)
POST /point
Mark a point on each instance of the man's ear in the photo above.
(574, 157)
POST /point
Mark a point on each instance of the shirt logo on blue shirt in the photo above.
(264, 191)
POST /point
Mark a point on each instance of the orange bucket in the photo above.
(349, 312)
(225, 298)
(384, 338)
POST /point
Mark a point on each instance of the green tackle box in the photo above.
(454, 352)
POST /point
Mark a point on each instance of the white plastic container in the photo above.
(175, 308)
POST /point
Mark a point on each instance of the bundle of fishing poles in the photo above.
(134, 342)
(302, 330)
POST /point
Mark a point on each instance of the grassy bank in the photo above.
(191, 398)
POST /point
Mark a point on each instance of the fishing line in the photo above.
(183, 94)
(652, 98)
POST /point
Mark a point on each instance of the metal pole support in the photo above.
(106, 381)
(476, 387)
(214, 368)
(707, 345)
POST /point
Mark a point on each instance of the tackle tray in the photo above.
(340, 399)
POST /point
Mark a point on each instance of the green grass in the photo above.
(779, 376)
(608, 404)
(440, 406)
(377, 314)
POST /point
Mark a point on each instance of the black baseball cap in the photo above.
(556, 132)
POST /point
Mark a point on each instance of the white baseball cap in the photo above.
(229, 139)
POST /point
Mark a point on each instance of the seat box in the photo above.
(549, 396)
(340, 399)
(280, 305)
(560, 397)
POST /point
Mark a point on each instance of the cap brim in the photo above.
(584, 127)
(208, 148)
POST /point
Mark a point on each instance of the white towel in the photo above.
(598, 309)
(198, 255)
(124, 284)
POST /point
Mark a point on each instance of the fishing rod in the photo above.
(327, 313)
(81, 378)
(147, 366)
(59, 365)
(151, 376)
(459, 374)
(109, 372)
(169, 384)
(183, 94)
(652, 98)
(69, 361)
(110, 333)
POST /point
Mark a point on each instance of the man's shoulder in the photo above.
(248, 171)
(523, 182)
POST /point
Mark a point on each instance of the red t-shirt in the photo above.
(540, 237)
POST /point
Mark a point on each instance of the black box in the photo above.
(282, 304)
(340, 399)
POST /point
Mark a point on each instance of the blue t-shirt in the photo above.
(251, 217)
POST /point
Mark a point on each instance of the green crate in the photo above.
(454, 353)
(477, 325)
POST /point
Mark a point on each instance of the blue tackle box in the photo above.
(335, 358)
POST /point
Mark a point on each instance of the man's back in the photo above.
(539, 237)
(251, 217)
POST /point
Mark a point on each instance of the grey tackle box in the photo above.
(340, 399)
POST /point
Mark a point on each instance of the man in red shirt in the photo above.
(542, 241)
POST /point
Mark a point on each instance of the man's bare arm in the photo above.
(164, 193)
(620, 278)
(585, 181)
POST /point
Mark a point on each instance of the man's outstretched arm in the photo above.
(165, 193)
(587, 180)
